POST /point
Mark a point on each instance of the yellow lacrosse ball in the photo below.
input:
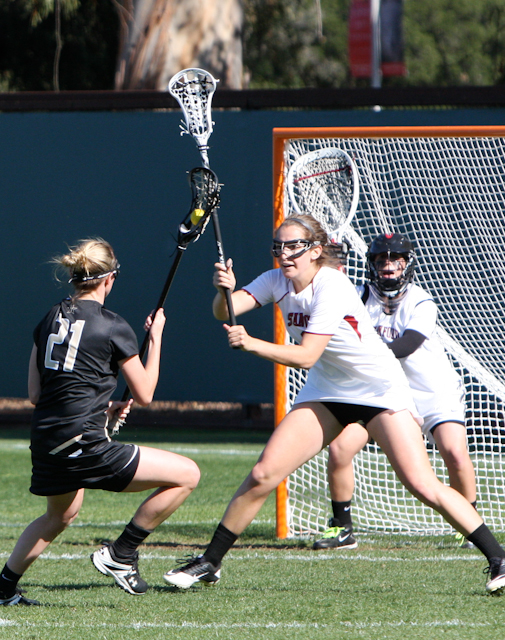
(196, 216)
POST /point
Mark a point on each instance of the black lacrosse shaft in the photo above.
(161, 302)
(220, 253)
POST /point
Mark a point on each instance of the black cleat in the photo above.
(196, 570)
(496, 570)
(18, 599)
(336, 538)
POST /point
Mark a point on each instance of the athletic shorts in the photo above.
(110, 466)
(349, 413)
(439, 408)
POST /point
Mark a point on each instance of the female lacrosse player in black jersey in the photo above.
(352, 376)
(79, 347)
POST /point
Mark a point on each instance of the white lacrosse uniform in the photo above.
(356, 367)
(437, 389)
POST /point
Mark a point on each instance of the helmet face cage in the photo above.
(393, 243)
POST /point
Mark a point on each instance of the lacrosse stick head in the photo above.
(324, 184)
(193, 89)
(205, 189)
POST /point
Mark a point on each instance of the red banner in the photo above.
(360, 39)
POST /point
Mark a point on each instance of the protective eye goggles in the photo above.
(79, 278)
(395, 262)
(293, 248)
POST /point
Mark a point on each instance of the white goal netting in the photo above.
(447, 194)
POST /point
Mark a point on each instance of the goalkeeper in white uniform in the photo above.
(353, 376)
(404, 316)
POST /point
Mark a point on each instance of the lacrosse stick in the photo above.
(324, 184)
(193, 89)
(205, 200)
(220, 253)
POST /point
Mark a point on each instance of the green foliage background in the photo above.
(90, 33)
(447, 42)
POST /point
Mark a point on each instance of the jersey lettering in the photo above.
(73, 345)
(388, 334)
(298, 320)
(59, 338)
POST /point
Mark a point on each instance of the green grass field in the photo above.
(390, 587)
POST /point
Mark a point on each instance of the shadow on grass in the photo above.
(196, 547)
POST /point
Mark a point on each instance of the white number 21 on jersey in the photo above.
(58, 338)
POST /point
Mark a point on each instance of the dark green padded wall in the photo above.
(66, 176)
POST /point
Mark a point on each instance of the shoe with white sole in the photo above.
(124, 572)
(336, 538)
(196, 570)
(496, 570)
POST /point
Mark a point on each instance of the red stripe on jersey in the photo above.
(259, 305)
(354, 324)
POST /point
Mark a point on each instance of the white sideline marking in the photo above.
(7, 623)
(9, 446)
(122, 523)
(279, 556)
(253, 625)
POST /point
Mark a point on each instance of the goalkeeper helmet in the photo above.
(382, 254)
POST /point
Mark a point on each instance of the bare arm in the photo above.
(224, 278)
(142, 380)
(302, 356)
(33, 378)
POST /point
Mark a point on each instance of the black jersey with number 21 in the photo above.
(79, 347)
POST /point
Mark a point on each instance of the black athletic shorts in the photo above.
(348, 413)
(110, 466)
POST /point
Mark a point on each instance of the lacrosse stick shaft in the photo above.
(161, 302)
(142, 351)
(220, 253)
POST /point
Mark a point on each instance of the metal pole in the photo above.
(376, 76)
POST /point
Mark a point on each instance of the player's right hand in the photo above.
(118, 409)
(238, 338)
(155, 325)
(224, 278)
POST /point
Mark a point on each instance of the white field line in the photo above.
(123, 523)
(202, 451)
(6, 445)
(455, 623)
(280, 556)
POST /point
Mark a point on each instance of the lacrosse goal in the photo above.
(444, 187)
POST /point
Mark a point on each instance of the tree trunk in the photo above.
(161, 37)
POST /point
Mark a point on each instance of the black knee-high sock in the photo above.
(8, 582)
(125, 546)
(342, 513)
(485, 542)
(221, 542)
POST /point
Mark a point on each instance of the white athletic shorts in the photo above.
(446, 407)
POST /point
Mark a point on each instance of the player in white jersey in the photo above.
(353, 376)
(404, 316)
